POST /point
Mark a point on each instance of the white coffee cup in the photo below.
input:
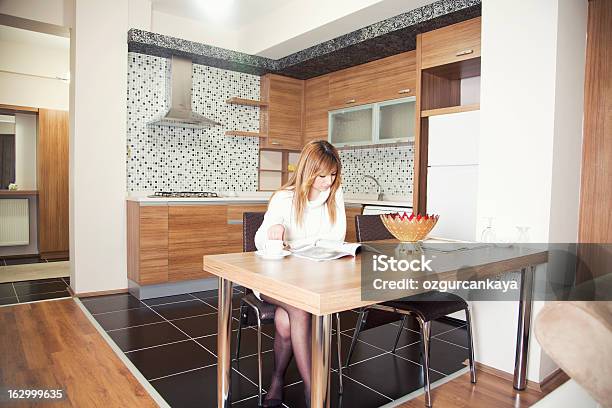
(274, 247)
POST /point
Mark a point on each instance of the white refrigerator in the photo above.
(452, 174)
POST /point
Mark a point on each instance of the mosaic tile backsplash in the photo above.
(164, 158)
(391, 166)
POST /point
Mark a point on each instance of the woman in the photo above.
(309, 207)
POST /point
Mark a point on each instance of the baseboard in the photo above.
(55, 255)
(532, 385)
(100, 293)
(553, 381)
(547, 385)
(20, 256)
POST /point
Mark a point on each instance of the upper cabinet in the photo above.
(316, 104)
(454, 43)
(384, 79)
(281, 121)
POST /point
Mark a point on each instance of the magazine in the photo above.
(326, 250)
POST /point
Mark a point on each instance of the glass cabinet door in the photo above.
(396, 120)
(351, 126)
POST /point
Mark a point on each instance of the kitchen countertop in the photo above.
(263, 197)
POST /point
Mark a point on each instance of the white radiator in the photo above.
(14, 222)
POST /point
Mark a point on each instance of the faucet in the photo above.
(380, 192)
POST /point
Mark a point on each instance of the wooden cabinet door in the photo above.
(234, 224)
(147, 243)
(281, 120)
(52, 184)
(454, 43)
(316, 105)
(351, 212)
(387, 78)
(194, 231)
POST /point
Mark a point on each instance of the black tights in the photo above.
(293, 336)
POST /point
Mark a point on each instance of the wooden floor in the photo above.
(52, 345)
(489, 391)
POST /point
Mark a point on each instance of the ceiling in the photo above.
(269, 28)
(231, 13)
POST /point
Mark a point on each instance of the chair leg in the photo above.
(425, 336)
(355, 335)
(259, 362)
(399, 332)
(239, 335)
(338, 342)
(468, 320)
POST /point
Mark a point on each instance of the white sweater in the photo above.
(316, 223)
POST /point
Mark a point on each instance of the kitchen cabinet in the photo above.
(351, 212)
(445, 57)
(316, 104)
(52, 183)
(194, 231)
(166, 243)
(384, 79)
(147, 243)
(454, 43)
(382, 122)
(281, 120)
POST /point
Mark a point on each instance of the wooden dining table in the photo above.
(324, 288)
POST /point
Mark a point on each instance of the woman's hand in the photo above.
(276, 232)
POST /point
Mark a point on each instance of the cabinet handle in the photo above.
(234, 222)
(404, 91)
(350, 101)
(275, 143)
(464, 52)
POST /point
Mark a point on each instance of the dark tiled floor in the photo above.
(173, 342)
(33, 290)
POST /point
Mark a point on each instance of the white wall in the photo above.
(33, 54)
(25, 150)
(139, 14)
(98, 146)
(569, 104)
(192, 30)
(530, 123)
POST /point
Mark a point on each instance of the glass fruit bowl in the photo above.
(409, 228)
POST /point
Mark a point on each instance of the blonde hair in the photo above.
(318, 157)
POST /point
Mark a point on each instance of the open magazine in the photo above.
(326, 250)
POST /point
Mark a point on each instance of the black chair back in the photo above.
(370, 228)
(251, 221)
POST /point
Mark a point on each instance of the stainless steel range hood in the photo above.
(180, 113)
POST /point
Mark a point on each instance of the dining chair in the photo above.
(424, 307)
(254, 311)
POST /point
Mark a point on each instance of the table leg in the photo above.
(224, 332)
(321, 358)
(524, 325)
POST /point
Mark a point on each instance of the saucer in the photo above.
(264, 255)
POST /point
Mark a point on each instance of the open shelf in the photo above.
(248, 102)
(244, 134)
(450, 109)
